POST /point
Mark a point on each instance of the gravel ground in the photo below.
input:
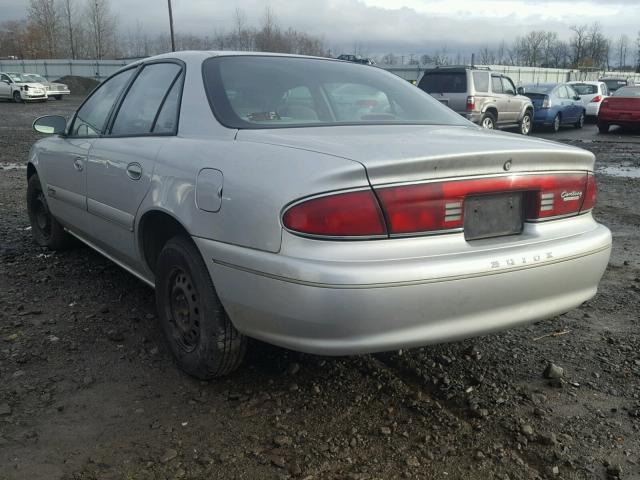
(88, 389)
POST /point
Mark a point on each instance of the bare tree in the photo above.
(101, 25)
(578, 42)
(44, 15)
(622, 47)
(69, 14)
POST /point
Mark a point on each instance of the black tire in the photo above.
(488, 121)
(557, 121)
(58, 97)
(580, 122)
(526, 124)
(46, 230)
(199, 332)
(17, 97)
(603, 127)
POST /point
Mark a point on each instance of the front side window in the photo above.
(92, 117)
(250, 91)
(143, 100)
(508, 86)
(5, 78)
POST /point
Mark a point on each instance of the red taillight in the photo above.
(351, 214)
(605, 103)
(436, 206)
(471, 103)
(590, 194)
(596, 99)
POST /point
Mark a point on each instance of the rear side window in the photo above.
(143, 100)
(91, 119)
(444, 82)
(481, 81)
(167, 121)
(496, 84)
(561, 92)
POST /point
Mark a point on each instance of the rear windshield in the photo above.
(627, 92)
(540, 89)
(585, 88)
(614, 84)
(272, 92)
(444, 82)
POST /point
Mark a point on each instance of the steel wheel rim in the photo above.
(487, 123)
(581, 120)
(42, 215)
(526, 124)
(184, 310)
(556, 123)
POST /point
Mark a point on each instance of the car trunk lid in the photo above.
(623, 103)
(409, 153)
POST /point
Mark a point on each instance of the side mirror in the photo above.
(520, 91)
(577, 97)
(51, 124)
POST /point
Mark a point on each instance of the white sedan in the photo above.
(592, 94)
(16, 87)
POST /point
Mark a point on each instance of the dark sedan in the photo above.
(555, 105)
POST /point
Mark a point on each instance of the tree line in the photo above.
(79, 29)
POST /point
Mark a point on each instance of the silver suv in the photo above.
(487, 98)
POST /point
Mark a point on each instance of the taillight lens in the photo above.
(546, 103)
(351, 214)
(596, 99)
(436, 206)
(471, 103)
(439, 206)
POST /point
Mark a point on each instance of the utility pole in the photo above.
(173, 40)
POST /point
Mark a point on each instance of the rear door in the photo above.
(502, 100)
(121, 162)
(5, 86)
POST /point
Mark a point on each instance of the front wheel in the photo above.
(488, 121)
(17, 97)
(46, 230)
(199, 332)
(580, 122)
(603, 127)
(525, 124)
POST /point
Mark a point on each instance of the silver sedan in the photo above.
(319, 205)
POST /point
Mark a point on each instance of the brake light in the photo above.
(596, 99)
(591, 193)
(471, 103)
(351, 214)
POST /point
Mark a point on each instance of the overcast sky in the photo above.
(400, 26)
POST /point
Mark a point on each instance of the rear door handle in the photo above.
(134, 171)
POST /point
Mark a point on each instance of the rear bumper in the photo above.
(53, 93)
(630, 119)
(349, 307)
(592, 109)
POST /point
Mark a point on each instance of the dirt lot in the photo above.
(88, 389)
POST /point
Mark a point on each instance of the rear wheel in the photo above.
(555, 126)
(200, 334)
(525, 123)
(488, 121)
(46, 230)
(58, 97)
(17, 97)
(580, 122)
(603, 127)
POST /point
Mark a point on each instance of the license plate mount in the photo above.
(493, 215)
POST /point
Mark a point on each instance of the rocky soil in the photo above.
(88, 389)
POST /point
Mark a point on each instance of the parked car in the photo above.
(487, 98)
(55, 90)
(622, 109)
(592, 94)
(356, 59)
(233, 185)
(555, 105)
(614, 83)
(16, 87)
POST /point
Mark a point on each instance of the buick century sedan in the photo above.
(319, 205)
